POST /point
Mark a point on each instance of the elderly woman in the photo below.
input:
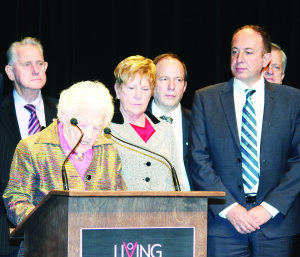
(142, 170)
(38, 159)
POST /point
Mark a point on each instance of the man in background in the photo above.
(171, 83)
(23, 112)
(1, 90)
(275, 71)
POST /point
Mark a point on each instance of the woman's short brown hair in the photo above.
(135, 65)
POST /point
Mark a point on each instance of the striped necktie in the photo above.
(34, 125)
(167, 118)
(249, 143)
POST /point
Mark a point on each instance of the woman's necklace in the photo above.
(79, 156)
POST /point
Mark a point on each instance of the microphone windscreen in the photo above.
(74, 121)
(107, 130)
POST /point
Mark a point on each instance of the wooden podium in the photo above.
(53, 228)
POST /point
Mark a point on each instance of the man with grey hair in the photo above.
(275, 71)
(23, 112)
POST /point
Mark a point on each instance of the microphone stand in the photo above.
(74, 122)
(107, 131)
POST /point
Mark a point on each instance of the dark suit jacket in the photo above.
(215, 155)
(1, 89)
(186, 116)
(9, 138)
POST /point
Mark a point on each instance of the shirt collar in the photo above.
(20, 102)
(158, 112)
(240, 86)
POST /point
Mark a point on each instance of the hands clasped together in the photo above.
(246, 222)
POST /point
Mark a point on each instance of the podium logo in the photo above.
(137, 250)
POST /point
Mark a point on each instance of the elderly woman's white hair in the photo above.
(94, 94)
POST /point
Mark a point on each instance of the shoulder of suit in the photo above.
(284, 88)
(51, 101)
(216, 87)
(184, 110)
(7, 100)
(186, 113)
(283, 91)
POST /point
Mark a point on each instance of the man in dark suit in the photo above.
(260, 214)
(171, 82)
(27, 69)
(1, 90)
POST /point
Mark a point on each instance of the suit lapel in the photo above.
(9, 119)
(149, 107)
(50, 110)
(185, 130)
(270, 99)
(227, 100)
(1, 88)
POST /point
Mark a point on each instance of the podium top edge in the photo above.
(138, 193)
(53, 194)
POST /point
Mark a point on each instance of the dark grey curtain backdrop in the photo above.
(86, 39)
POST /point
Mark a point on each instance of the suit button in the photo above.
(240, 187)
(239, 160)
(88, 177)
(147, 179)
(148, 164)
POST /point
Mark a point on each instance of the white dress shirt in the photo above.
(23, 115)
(176, 115)
(258, 100)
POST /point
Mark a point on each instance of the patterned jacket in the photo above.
(36, 169)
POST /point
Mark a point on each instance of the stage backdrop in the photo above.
(86, 39)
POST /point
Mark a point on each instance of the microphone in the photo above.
(107, 131)
(74, 122)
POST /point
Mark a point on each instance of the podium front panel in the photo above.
(138, 212)
(54, 227)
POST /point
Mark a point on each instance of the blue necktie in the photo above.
(249, 143)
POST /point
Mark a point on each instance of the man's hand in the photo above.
(260, 215)
(241, 220)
